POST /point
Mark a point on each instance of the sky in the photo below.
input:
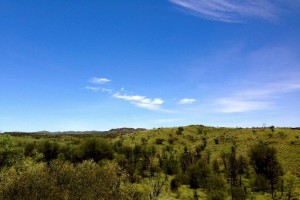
(96, 65)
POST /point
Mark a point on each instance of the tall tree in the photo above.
(265, 163)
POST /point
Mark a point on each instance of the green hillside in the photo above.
(192, 162)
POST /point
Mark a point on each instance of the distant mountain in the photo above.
(125, 130)
(111, 131)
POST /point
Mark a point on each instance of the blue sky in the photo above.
(96, 65)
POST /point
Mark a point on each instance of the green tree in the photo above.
(96, 149)
(179, 131)
(50, 150)
(265, 163)
(199, 174)
(9, 154)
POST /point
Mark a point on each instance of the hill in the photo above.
(163, 162)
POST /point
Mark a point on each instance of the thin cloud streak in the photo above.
(99, 80)
(238, 105)
(254, 99)
(186, 101)
(141, 101)
(99, 89)
(232, 10)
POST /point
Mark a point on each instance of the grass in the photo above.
(285, 140)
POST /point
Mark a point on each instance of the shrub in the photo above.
(9, 154)
(179, 130)
(29, 149)
(50, 150)
(216, 140)
(175, 183)
(144, 141)
(159, 140)
(170, 166)
(59, 180)
(216, 189)
(239, 193)
(96, 149)
(171, 140)
(266, 166)
(179, 179)
(282, 135)
(198, 174)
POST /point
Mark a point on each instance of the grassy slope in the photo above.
(285, 140)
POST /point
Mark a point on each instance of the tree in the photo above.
(8, 153)
(216, 189)
(179, 131)
(50, 150)
(265, 163)
(96, 149)
(199, 174)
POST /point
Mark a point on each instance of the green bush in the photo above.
(9, 154)
(159, 140)
(179, 130)
(239, 193)
(199, 174)
(58, 180)
(29, 149)
(50, 150)
(216, 140)
(96, 149)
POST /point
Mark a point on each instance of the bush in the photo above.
(29, 149)
(264, 161)
(50, 150)
(179, 179)
(96, 149)
(170, 166)
(58, 180)
(260, 183)
(159, 140)
(179, 130)
(239, 193)
(198, 174)
(175, 184)
(216, 140)
(216, 187)
(9, 154)
(171, 140)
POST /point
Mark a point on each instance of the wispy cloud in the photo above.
(99, 80)
(98, 89)
(186, 101)
(141, 101)
(255, 99)
(232, 10)
(232, 105)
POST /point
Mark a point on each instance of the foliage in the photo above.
(265, 163)
(86, 180)
(199, 174)
(50, 150)
(67, 165)
(9, 154)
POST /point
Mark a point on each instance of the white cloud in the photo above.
(94, 89)
(99, 89)
(141, 101)
(186, 101)
(235, 11)
(238, 105)
(99, 80)
(255, 99)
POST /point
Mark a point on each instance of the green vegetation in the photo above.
(192, 162)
